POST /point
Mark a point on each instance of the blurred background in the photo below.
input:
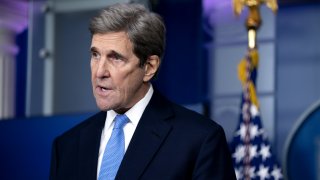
(45, 83)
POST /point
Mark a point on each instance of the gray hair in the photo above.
(145, 29)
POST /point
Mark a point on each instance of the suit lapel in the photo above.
(89, 144)
(151, 131)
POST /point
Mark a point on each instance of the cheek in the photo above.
(131, 78)
(92, 67)
(93, 74)
(134, 81)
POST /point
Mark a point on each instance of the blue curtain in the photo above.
(183, 73)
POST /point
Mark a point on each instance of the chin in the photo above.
(103, 106)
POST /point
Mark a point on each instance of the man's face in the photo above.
(118, 81)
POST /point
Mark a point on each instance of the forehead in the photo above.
(111, 41)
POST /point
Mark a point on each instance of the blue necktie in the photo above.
(114, 151)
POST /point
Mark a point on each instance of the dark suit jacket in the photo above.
(170, 142)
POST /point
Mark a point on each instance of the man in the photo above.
(157, 139)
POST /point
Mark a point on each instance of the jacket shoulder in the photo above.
(194, 119)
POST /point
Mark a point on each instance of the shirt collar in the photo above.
(135, 113)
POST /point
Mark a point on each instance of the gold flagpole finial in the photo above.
(254, 20)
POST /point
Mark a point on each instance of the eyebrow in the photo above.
(112, 52)
(92, 49)
(117, 54)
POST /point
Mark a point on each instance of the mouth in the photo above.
(102, 90)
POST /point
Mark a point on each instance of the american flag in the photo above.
(251, 151)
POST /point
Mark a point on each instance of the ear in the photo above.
(151, 67)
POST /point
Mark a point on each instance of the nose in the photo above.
(102, 69)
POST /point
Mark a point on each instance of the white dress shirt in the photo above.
(134, 114)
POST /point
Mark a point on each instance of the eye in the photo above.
(95, 55)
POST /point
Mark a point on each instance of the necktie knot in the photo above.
(120, 121)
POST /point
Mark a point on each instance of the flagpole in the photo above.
(253, 23)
